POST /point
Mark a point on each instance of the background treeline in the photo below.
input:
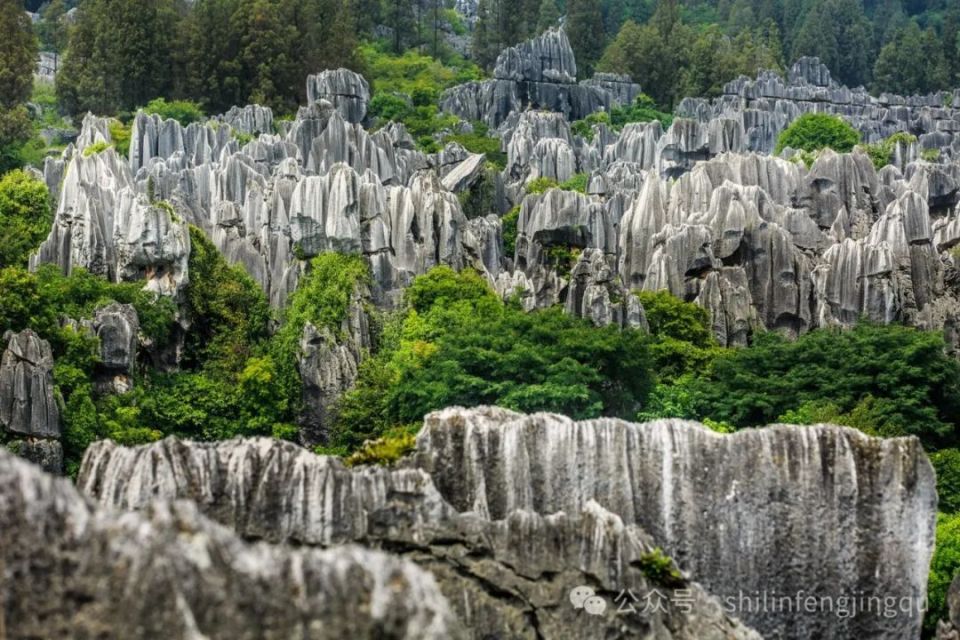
(120, 54)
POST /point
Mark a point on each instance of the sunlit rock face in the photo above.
(824, 510)
(821, 509)
(75, 570)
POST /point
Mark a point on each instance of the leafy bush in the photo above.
(896, 379)
(96, 147)
(540, 185)
(458, 343)
(385, 450)
(578, 182)
(120, 133)
(814, 131)
(930, 155)
(509, 226)
(660, 569)
(25, 217)
(229, 312)
(183, 111)
(389, 106)
(946, 463)
(643, 109)
(881, 153)
(943, 567)
(479, 141)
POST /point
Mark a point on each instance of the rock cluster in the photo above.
(347, 91)
(540, 73)
(511, 512)
(765, 106)
(73, 570)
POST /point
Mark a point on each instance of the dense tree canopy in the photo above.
(18, 54)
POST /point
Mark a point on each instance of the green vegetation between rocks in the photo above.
(814, 131)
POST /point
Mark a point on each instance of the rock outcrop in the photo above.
(117, 327)
(512, 577)
(75, 571)
(27, 403)
(734, 511)
(346, 90)
(540, 73)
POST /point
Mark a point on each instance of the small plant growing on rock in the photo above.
(386, 450)
(95, 148)
(659, 568)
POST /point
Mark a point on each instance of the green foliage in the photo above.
(930, 155)
(458, 343)
(943, 567)
(895, 379)
(18, 55)
(322, 299)
(540, 185)
(578, 182)
(681, 344)
(881, 153)
(243, 138)
(25, 217)
(228, 311)
(183, 111)
(584, 27)
(643, 109)
(669, 316)
(479, 141)
(387, 449)
(120, 134)
(946, 463)
(509, 226)
(815, 131)
(660, 569)
(96, 147)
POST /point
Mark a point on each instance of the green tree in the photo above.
(839, 33)
(25, 217)
(548, 15)
(120, 55)
(53, 28)
(814, 131)
(18, 57)
(913, 62)
(584, 26)
(943, 567)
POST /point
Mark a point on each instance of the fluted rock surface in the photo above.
(76, 571)
(347, 91)
(822, 509)
(27, 403)
(328, 364)
(117, 327)
(509, 578)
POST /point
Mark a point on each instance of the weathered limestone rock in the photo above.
(347, 91)
(117, 327)
(328, 364)
(824, 510)
(509, 578)
(949, 629)
(75, 571)
(595, 292)
(46, 454)
(547, 58)
(27, 403)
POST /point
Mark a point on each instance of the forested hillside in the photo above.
(319, 267)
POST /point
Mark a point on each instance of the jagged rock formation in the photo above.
(29, 413)
(27, 403)
(105, 226)
(734, 511)
(539, 73)
(75, 571)
(509, 578)
(347, 91)
(117, 327)
(328, 365)
(767, 105)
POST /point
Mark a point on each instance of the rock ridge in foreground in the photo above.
(822, 510)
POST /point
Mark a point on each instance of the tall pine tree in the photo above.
(18, 58)
(584, 28)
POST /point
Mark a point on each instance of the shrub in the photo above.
(459, 344)
(946, 463)
(509, 222)
(120, 133)
(389, 106)
(814, 131)
(930, 155)
(578, 182)
(540, 185)
(895, 379)
(660, 569)
(25, 217)
(943, 567)
(385, 450)
(96, 147)
(183, 111)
